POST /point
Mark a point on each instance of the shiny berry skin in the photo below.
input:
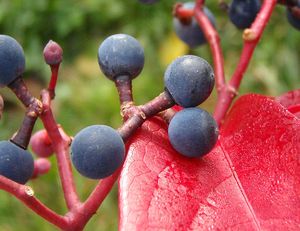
(193, 132)
(190, 80)
(121, 54)
(97, 151)
(148, 1)
(12, 60)
(242, 13)
(292, 19)
(190, 32)
(15, 163)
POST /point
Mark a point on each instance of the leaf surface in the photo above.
(291, 100)
(250, 181)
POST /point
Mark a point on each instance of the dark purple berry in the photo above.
(293, 19)
(193, 132)
(242, 13)
(12, 60)
(190, 80)
(190, 32)
(15, 163)
(97, 151)
(121, 54)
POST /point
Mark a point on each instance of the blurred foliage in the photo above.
(85, 97)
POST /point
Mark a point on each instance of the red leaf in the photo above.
(291, 101)
(250, 181)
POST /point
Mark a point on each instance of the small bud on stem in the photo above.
(53, 55)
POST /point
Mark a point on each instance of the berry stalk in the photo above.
(23, 135)
(26, 195)
(214, 42)
(251, 38)
(20, 89)
(143, 112)
(140, 114)
(53, 55)
(91, 205)
(33, 109)
(227, 91)
(53, 80)
(61, 148)
(124, 86)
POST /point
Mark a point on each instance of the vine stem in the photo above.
(53, 79)
(26, 194)
(61, 148)
(251, 36)
(213, 38)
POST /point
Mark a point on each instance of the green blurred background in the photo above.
(85, 97)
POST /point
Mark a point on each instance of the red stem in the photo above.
(61, 148)
(53, 80)
(251, 38)
(26, 195)
(227, 92)
(213, 39)
(94, 201)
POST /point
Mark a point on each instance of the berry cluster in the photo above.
(242, 14)
(98, 151)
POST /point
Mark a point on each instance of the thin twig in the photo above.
(61, 148)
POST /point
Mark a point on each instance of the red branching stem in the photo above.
(53, 80)
(93, 202)
(158, 104)
(214, 42)
(25, 194)
(227, 92)
(143, 112)
(251, 38)
(61, 148)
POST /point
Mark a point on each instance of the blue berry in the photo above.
(15, 163)
(292, 19)
(242, 13)
(148, 1)
(12, 60)
(120, 54)
(97, 151)
(190, 32)
(189, 79)
(193, 132)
